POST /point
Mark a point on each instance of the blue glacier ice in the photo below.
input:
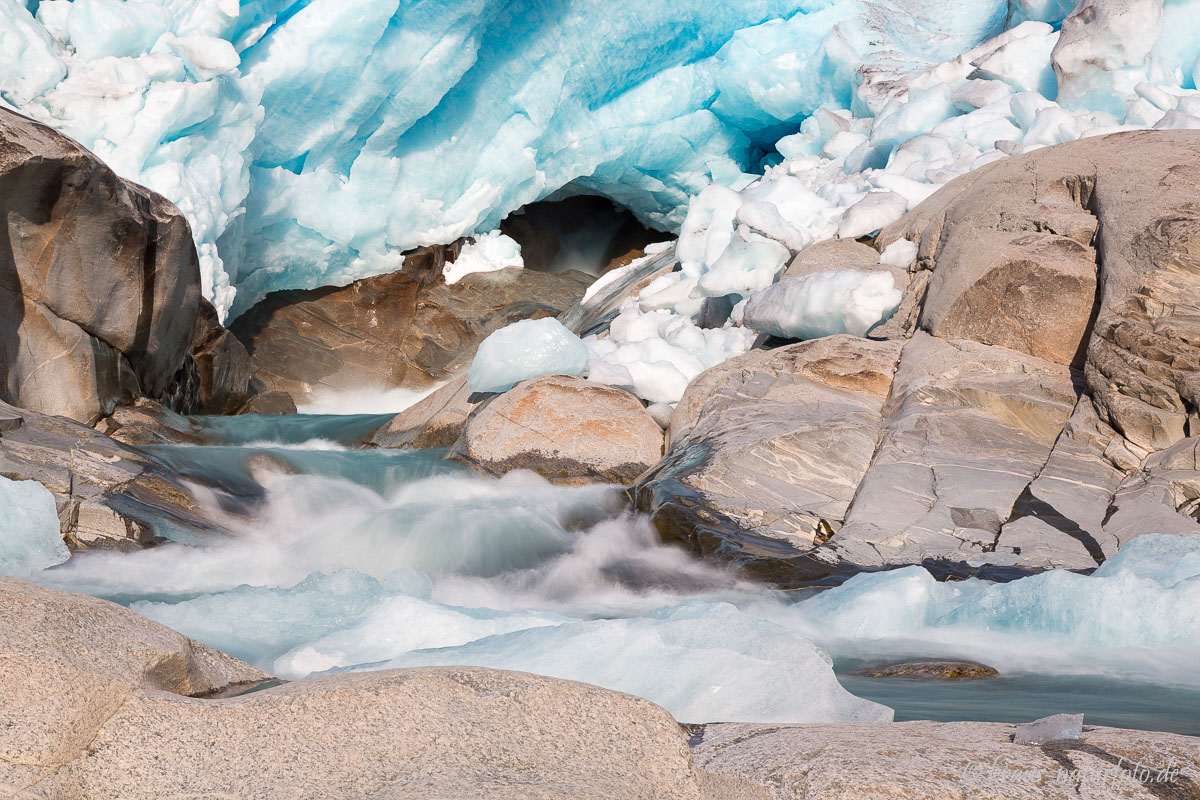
(30, 539)
(523, 350)
(311, 141)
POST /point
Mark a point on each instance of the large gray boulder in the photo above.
(96, 701)
(770, 447)
(99, 280)
(936, 760)
(1052, 368)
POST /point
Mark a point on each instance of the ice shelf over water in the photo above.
(311, 141)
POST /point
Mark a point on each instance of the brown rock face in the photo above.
(938, 669)
(564, 428)
(99, 281)
(407, 329)
(222, 364)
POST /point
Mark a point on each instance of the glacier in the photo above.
(310, 142)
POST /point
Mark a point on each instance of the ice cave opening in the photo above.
(589, 233)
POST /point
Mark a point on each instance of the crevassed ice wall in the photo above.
(310, 141)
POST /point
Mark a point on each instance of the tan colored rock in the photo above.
(98, 702)
(836, 254)
(564, 428)
(938, 760)
(99, 279)
(966, 429)
(1134, 195)
(1030, 292)
(767, 450)
(435, 421)
(406, 329)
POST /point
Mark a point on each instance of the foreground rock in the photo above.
(99, 281)
(107, 494)
(941, 669)
(407, 329)
(110, 709)
(933, 761)
(564, 428)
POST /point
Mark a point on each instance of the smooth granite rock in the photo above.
(99, 280)
(939, 760)
(222, 364)
(771, 446)
(435, 421)
(966, 429)
(564, 428)
(98, 702)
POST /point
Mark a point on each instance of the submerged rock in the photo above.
(564, 428)
(941, 669)
(99, 280)
(97, 701)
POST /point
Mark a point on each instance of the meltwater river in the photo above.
(343, 558)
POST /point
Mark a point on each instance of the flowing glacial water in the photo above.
(354, 559)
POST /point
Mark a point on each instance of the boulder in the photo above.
(1128, 201)
(96, 701)
(435, 421)
(966, 429)
(406, 329)
(99, 280)
(564, 428)
(767, 450)
(602, 301)
(107, 494)
(936, 760)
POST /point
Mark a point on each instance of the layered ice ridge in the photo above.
(310, 142)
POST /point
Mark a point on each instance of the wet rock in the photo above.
(593, 314)
(99, 280)
(936, 760)
(147, 422)
(940, 669)
(276, 403)
(406, 329)
(564, 428)
(108, 495)
(766, 450)
(222, 364)
(435, 421)
(96, 701)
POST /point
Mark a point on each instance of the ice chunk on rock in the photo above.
(900, 253)
(30, 538)
(824, 303)
(871, 214)
(524, 350)
(1050, 729)
(490, 252)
